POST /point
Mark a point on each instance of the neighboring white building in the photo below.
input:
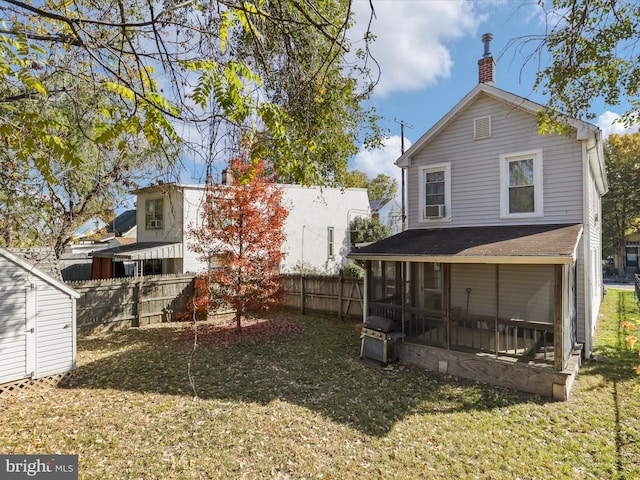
(317, 230)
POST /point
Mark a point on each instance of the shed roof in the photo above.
(542, 244)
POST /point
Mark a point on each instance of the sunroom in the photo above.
(494, 304)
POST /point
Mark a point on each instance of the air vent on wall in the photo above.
(482, 128)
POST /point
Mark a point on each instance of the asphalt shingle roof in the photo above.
(488, 241)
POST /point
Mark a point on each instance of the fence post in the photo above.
(137, 292)
(302, 294)
(340, 280)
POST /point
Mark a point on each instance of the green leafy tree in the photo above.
(591, 43)
(364, 229)
(382, 187)
(621, 205)
(46, 205)
(270, 74)
(356, 179)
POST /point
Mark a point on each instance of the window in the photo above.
(435, 192)
(521, 184)
(153, 214)
(152, 266)
(330, 251)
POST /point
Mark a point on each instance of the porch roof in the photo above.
(541, 244)
(142, 251)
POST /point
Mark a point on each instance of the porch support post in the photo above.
(365, 290)
(495, 322)
(403, 293)
(558, 327)
(446, 272)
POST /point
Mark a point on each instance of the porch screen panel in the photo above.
(384, 281)
(481, 280)
(526, 292)
(427, 282)
(384, 290)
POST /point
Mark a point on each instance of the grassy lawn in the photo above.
(290, 398)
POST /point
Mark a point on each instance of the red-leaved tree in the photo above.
(241, 238)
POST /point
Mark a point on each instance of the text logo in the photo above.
(49, 467)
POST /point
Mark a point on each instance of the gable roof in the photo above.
(585, 131)
(17, 259)
(122, 223)
(540, 244)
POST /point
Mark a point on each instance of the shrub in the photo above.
(352, 270)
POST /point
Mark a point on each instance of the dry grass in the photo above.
(291, 399)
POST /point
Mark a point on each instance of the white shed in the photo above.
(37, 321)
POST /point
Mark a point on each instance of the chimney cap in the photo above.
(486, 39)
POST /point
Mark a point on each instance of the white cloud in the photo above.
(381, 160)
(412, 35)
(609, 123)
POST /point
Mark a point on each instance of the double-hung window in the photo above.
(330, 245)
(521, 184)
(153, 214)
(435, 192)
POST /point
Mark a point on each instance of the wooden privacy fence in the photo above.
(119, 303)
(130, 302)
(342, 296)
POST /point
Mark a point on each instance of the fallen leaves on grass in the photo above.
(254, 331)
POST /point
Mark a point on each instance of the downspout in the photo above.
(586, 251)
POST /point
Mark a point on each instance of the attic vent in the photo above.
(482, 128)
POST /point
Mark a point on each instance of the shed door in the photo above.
(17, 332)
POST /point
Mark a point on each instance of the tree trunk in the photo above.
(238, 317)
(621, 259)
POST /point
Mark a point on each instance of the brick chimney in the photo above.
(486, 63)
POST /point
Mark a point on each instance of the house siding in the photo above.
(593, 253)
(481, 280)
(172, 216)
(13, 349)
(525, 291)
(475, 174)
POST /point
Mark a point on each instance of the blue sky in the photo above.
(428, 52)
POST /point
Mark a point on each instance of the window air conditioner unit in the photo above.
(434, 211)
(156, 223)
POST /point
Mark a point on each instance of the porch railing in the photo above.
(506, 337)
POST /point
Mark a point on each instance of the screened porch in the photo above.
(512, 311)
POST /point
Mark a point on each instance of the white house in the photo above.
(498, 277)
(317, 230)
(37, 321)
